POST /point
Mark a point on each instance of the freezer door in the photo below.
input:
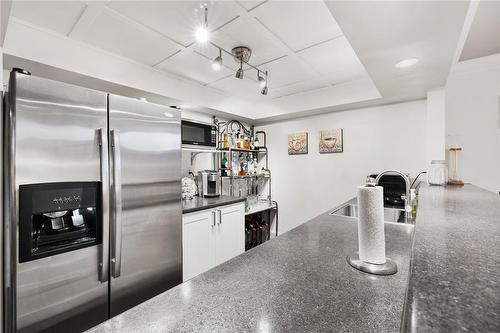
(55, 128)
(145, 174)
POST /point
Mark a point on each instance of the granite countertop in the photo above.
(299, 281)
(199, 203)
(455, 284)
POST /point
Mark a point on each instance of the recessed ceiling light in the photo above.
(168, 115)
(407, 62)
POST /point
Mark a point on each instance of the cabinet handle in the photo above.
(213, 218)
(220, 216)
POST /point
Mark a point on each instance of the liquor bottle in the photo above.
(238, 140)
(256, 142)
(232, 140)
(223, 165)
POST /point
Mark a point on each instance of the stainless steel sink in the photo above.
(390, 214)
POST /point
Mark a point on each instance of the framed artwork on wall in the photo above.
(297, 143)
(331, 141)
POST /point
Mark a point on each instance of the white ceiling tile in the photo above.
(299, 24)
(193, 66)
(59, 16)
(237, 33)
(249, 5)
(335, 60)
(175, 19)
(113, 34)
(285, 71)
(300, 87)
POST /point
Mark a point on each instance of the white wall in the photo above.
(473, 120)
(375, 139)
(436, 122)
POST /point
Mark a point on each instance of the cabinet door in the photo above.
(198, 243)
(230, 236)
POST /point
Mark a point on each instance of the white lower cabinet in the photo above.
(211, 237)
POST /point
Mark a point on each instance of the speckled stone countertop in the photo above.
(297, 282)
(455, 271)
(199, 203)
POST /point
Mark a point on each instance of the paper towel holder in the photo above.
(388, 268)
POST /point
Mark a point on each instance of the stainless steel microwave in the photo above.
(199, 134)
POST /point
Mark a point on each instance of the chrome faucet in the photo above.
(406, 197)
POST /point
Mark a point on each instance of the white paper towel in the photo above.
(371, 238)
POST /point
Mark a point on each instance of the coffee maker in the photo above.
(208, 183)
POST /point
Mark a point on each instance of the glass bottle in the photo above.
(256, 142)
(223, 165)
(238, 140)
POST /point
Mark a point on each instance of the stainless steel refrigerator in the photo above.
(92, 204)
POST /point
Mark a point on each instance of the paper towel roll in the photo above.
(371, 238)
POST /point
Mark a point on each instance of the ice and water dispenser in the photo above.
(58, 217)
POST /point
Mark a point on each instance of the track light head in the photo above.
(261, 80)
(239, 72)
(202, 35)
(264, 90)
(217, 63)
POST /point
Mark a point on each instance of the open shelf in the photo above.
(261, 150)
(243, 177)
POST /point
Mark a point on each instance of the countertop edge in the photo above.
(216, 203)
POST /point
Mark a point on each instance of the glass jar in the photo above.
(438, 173)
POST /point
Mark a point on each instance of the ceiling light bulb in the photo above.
(264, 91)
(407, 62)
(217, 64)
(202, 34)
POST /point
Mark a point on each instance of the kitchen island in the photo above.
(300, 281)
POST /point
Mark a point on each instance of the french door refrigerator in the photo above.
(92, 204)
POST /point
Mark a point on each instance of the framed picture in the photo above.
(297, 143)
(331, 141)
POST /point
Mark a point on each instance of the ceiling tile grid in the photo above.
(299, 24)
(59, 16)
(113, 33)
(298, 42)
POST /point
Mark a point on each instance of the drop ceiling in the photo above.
(320, 55)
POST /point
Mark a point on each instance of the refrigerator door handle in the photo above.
(116, 246)
(103, 154)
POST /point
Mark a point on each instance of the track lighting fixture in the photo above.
(202, 34)
(217, 63)
(239, 72)
(240, 54)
